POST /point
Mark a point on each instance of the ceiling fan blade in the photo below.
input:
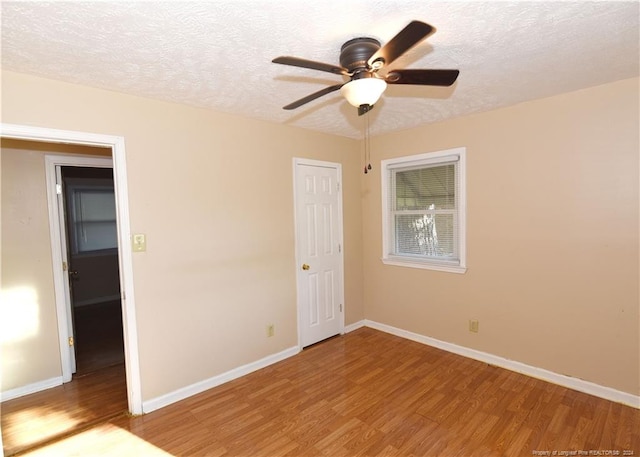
(423, 77)
(311, 97)
(304, 63)
(408, 37)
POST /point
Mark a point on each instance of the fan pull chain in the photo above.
(367, 144)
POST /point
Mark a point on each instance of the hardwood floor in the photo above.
(371, 394)
(38, 418)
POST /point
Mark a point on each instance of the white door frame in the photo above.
(130, 331)
(299, 275)
(59, 253)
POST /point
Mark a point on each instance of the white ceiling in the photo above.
(218, 54)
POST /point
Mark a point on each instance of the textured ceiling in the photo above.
(218, 54)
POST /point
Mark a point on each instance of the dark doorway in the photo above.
(91, 235)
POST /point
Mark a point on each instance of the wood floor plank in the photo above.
(373, 394)
(37, 418)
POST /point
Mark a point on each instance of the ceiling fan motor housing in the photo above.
(355, 53)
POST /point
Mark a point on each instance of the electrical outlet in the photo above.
(270, 330)
(474, 325)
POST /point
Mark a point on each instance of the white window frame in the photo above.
(430, 158)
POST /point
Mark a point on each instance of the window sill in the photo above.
(400, 262)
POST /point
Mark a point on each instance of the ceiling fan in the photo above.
(362, 58)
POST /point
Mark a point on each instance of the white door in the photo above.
(318, 200)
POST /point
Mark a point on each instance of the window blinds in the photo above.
(94, 220)
(423, 210)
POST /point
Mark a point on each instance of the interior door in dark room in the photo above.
(92, 253)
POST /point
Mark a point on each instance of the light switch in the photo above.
(139, 242)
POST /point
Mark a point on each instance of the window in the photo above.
(423, 211)
(93, 219)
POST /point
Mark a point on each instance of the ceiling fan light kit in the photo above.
(361, 59)
(365, 91)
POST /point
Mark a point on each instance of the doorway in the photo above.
(90, 230)
(29, 410)
(117, 147)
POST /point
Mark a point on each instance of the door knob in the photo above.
(73, 275)
(305, 266)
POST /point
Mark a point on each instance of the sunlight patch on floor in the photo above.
(28, 427)
(103, 440)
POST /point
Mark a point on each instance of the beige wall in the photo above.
(552, 235)
(213, 193)
(30, 348)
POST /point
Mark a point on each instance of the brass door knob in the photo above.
(305, 266)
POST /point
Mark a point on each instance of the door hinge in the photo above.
(70, 341)
(64, 266)
(338, 186)
(340, 307)
(339, 247)
(59, 189)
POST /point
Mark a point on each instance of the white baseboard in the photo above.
(31, 388)
(198, 387)
(562, 380)
(355, 326)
